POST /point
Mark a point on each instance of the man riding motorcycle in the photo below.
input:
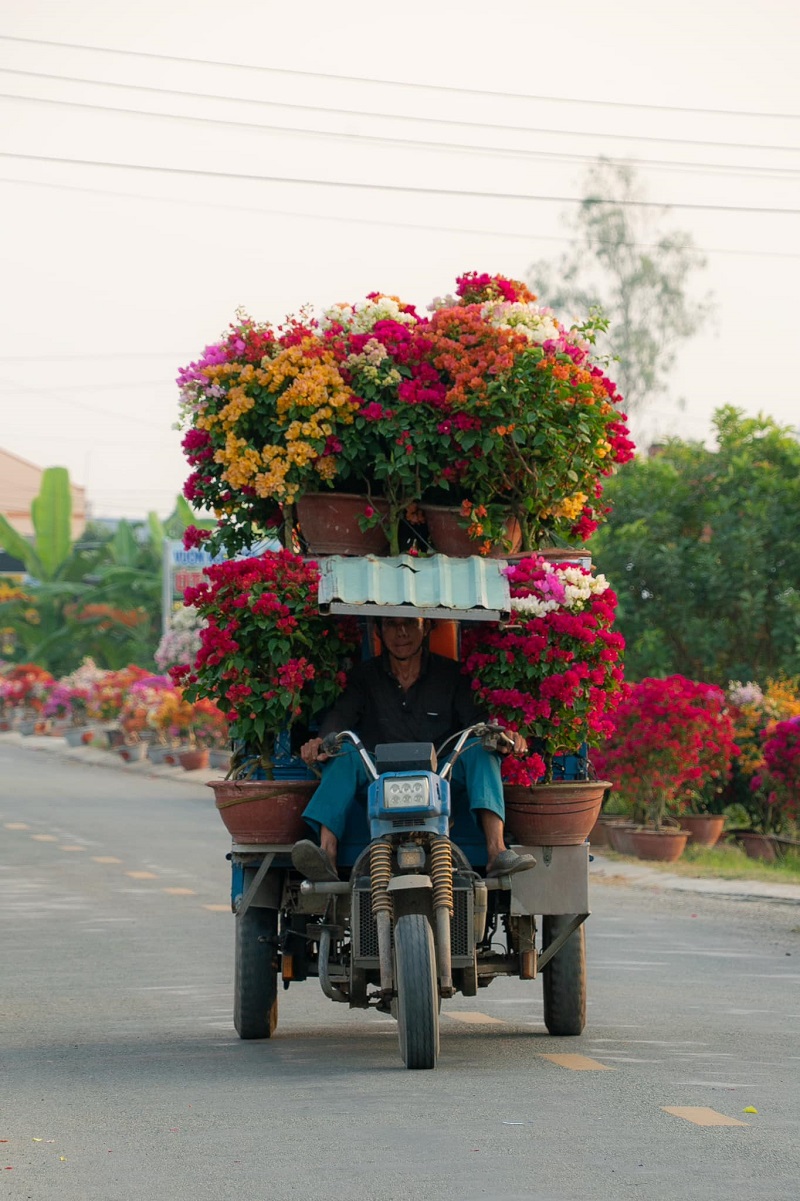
(407, 694)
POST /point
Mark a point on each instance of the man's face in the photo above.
(403, 636)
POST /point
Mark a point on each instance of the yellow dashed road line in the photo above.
(72, 848)
(578, 1063)
(701, 1115)
(218, 908)
(44, 837)
(16, 826)
(473, 1018)
(142, 875)
(105, 859)
(180, 892)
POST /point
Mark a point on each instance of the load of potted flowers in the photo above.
(487, 407)
(271, 663)
(671, 736)
(553, 673)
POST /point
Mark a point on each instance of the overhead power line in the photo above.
(411, 189)
(410, 143)
(414, 119)
(508, 235)
(402, 83)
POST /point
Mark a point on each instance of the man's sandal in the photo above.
(508, 863)
(312, 862)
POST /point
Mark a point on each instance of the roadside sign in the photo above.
(184, 569)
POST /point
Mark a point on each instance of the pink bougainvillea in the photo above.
(553, 673)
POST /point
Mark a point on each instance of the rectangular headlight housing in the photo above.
(406, 792)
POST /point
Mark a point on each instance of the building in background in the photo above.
(19, 484)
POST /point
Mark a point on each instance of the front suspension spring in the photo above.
(442, 873)
(380, 871)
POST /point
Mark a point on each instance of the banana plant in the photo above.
(51, 513)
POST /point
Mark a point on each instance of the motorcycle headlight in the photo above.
(406, 792)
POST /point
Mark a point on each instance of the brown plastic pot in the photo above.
(553, 815)
(450, 537)
(758, 846)
(264, 811)
(705, 829)
(666, 846)
(329, 522)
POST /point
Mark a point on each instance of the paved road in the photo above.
(121, 1077)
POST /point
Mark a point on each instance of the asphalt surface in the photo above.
(121, 1078)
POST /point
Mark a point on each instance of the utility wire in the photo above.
(385, 187)
(401, 83)
(372, 221)
(348, 112)
(459, 147)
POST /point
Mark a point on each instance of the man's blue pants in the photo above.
(475, 784)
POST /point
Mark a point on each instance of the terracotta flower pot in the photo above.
(194, 759)
(449, 537)
(758, 846)
(619, 833)
(329, 524)
(704, 828)
(559, 814)
(664, 845)
(598, 835)
(264, 811)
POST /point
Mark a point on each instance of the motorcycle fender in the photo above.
(410, 884)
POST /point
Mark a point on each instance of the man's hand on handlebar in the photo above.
(505, 742)
(310, 752)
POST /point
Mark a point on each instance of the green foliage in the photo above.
(99, 597)
(702, 548)
(622, 263)
(51, 512)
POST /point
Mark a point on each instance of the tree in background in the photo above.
(703, 551)
(98, 597)
(623, 263)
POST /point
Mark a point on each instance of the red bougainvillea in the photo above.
(670, 735)
(263, 646)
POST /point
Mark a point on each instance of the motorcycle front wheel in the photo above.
(417, 991)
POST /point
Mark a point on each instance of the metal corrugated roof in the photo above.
(474, 589)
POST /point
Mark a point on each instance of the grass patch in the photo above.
(724, 862)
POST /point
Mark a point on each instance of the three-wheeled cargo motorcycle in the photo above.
(413, 919)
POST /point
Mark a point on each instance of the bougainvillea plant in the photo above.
(553, 673)
(671, 736)
(776, 788)
(267, 657)
(488, 402)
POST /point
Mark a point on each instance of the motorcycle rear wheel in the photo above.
(564, 978)
(417, 991)
(255, 1000)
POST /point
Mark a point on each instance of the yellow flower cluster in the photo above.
(780, 702)
(571, 507)
(301, 395)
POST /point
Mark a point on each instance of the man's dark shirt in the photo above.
(375, 706)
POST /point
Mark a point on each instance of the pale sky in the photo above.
(114, 276)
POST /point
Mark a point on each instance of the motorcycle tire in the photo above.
(417, 991)
(255, 995)
(564, 978)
